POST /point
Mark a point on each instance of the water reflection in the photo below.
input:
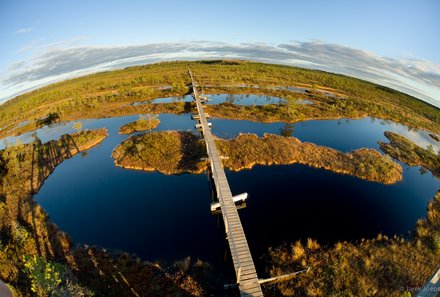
(163, 217)
(347, 135)
(239, 99)
(168, 217)
(342, 134)
(245, 99)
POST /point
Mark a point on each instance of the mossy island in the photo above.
(144, 123)
(410, 153)
(177, 152)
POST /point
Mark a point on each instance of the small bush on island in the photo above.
(52, 117)
(144, 123)
(50, 278)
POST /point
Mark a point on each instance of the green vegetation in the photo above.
(428, 229)
(52, 279)
(353, 98)
(77, 126)
(99, 95)
(110, 93)
(174, 152)
(144, 123)
(376, 267)
(435, 137)
(407, 152)
(47, 120)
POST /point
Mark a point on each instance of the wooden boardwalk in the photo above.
(432, 287)
(247, 278)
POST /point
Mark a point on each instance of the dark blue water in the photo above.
(161, 217)
(289, 203)
(139, 212)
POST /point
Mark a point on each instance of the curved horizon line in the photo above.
(417, 78)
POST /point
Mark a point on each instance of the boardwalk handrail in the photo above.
(214, 172)
(247, 278)
(432, 287)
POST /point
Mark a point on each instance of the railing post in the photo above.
(238, 274)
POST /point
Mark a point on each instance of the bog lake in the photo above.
(167, 217)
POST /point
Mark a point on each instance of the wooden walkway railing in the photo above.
(247, 278)
(432, 287)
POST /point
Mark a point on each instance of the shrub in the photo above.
(44, 276)
(52, 279)
(19, 234)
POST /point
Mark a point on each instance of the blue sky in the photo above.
(402, 35)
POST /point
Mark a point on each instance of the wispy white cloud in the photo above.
(24, 30)
(65, 60)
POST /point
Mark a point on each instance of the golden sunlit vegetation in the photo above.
(407, 152)
(376, 267)
(27, 237)
(109, 93)
(175, 152)
(248, 150)
(38, 259)
(144, 123)
(169, 152)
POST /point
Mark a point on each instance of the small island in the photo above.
(410, 153)
(144, 123)
(176, 152)
(169, 152)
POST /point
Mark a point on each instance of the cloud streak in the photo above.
(416, 77)
(24, 30)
